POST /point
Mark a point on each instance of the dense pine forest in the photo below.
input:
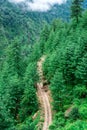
(61, 37)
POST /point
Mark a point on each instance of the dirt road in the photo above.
(44, 97)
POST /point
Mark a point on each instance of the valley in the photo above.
(43, 66)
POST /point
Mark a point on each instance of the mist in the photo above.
(39, 5)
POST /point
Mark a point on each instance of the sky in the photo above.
(39, 5)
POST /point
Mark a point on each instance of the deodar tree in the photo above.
(76, 9)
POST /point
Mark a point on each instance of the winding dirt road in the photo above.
(44, 97)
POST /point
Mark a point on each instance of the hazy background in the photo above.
(39, 5)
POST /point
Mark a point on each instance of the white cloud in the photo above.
(39, 5)
(17, 1)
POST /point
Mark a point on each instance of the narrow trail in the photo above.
(44, 97)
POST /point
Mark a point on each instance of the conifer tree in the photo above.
(11, 80)
(29, 98)
(76, 9)
(44, 37)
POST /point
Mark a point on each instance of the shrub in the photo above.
(83, 111)
(80, 91)
(78, 125)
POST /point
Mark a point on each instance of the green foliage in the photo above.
(78, 125)
(30, 101)
(58, 121)
(50, 65)
(31, 73)
(84, 20)
(80, 91)
(65, 69)
(43, 38)
(28, 124)
(50, 41)
(82, 69)
(6, 120)
(29, 98)
(58, 87)
(76, 9)
(17, 88)
(83, 111)
(74, 114)
(35, 53)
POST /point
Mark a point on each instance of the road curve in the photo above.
(44, 97)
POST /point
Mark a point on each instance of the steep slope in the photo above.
(25, 24)
(65, 69)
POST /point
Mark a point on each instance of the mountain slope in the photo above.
(65, 68)
(15, 22)
(26, 25)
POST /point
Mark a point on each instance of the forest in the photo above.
(63, 42)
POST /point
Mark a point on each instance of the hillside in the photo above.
(31, 23)
(43, 67)
(25, 25)
(65, 70)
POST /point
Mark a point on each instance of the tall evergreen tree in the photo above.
(76, 9)
(11, 76)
